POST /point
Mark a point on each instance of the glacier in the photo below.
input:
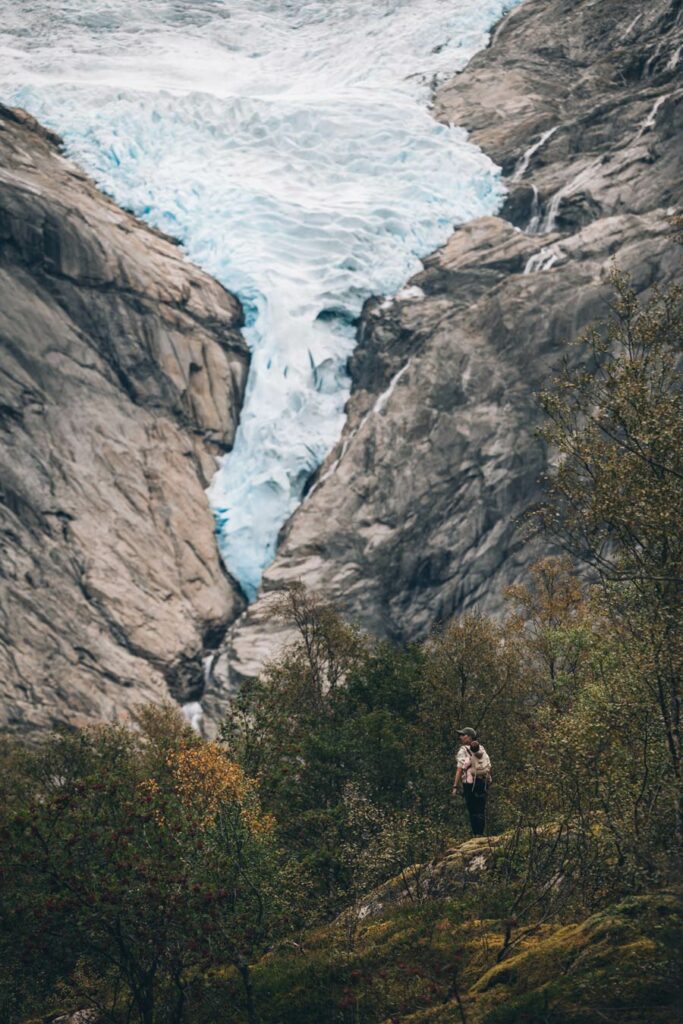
(289, 146)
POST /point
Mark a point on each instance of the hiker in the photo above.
(474, 771)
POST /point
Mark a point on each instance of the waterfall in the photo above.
(542, 260)
(521, 168)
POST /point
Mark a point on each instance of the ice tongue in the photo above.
(290, 147)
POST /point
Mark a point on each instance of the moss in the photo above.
(618, 966)
(392, 967)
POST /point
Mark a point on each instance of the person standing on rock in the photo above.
(474, 771)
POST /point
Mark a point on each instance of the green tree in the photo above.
(130, 862)
(357, 764)
(324, 730)
(616, 495)
(475, 674)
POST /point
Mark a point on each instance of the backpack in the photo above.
(480, 766)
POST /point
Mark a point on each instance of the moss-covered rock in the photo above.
(621, 965)
(458, 868)
(413, 964)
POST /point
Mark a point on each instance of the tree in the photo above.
(283, 729)
(136, 860)
(551, 606)
(616, 495)
(476, 675)
(353, 740)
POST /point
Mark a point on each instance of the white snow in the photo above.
(412, 294)
(288, 144)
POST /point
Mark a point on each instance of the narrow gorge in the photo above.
(124, 378)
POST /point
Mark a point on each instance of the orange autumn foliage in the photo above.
(206, 781)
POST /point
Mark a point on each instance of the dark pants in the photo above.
(476, 805)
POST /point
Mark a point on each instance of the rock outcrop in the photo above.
(417, 513)
(462, 866)
(436, 961)
(121, 378)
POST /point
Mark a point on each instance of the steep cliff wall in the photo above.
(121, 375)
(416, 514)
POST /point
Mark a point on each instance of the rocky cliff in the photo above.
(417, 513)
(123, 369)
(121, 378)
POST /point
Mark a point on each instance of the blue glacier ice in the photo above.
(289, 146)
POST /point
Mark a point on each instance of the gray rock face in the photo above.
(121, 375)
(417, 513)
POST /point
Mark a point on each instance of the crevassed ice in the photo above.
(289, 146)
